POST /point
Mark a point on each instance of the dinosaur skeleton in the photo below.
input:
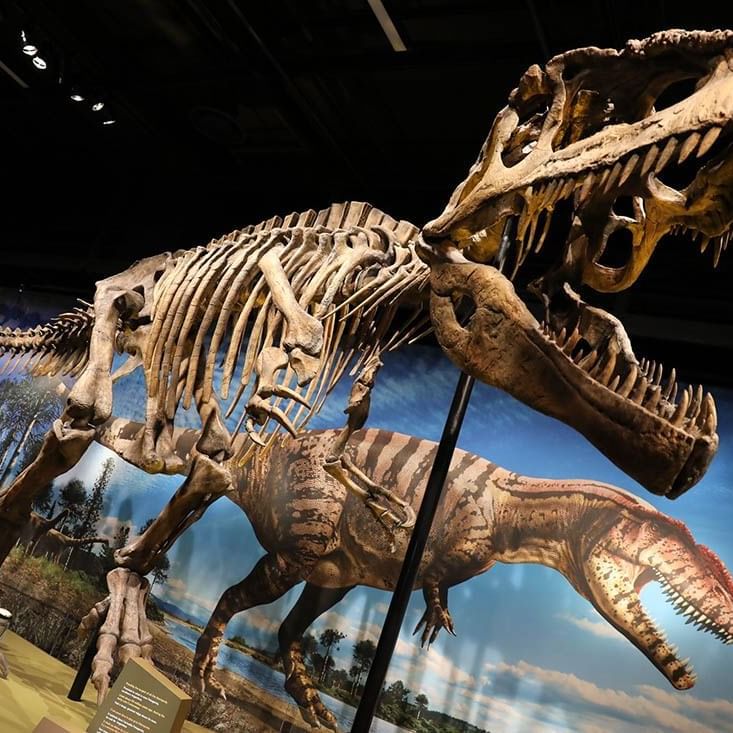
(607, 543)
(291, 304)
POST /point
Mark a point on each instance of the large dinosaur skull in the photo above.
(601, 131)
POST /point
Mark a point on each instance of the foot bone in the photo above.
(124, 633)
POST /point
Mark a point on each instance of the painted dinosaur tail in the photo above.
(60, 346)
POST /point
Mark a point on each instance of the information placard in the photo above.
(142, 700)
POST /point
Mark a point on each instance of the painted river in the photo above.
(267, 678)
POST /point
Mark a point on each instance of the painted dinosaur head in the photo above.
(627, 147)
(644, 545)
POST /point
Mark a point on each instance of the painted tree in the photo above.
(27, 408)
(309, 646)
(44, 502)
(329, 640)
(93, 508)
(159, 573)
(363, 655)
(119, 540)
(72, 497)
(396, 694)
(421, 702)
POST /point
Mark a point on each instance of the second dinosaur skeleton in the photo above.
(606, 542)
(291, 304)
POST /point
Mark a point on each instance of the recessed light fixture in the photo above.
(39, 63)
(75, 97)
(23, 37)
(30, 50)
(97, 106)
(109, 122)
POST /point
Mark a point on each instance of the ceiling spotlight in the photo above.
(109, 122)
(39, 63)
(97, 106)
(30, 50)
(76, 97)
(23, 37)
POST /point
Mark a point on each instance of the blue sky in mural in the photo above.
(531, 654)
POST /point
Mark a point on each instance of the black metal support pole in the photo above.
(85, 668)
(415, 548)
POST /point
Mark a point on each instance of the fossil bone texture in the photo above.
(607, 543)
(291, 304)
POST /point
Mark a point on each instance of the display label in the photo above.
(142, 700)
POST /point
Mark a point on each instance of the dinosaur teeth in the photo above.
(717, 251)
(545, 229)
(615, 173)
(572, 341)
(679, 414)
(586, 187)
(653, 400)
(711, 415)
(666, 154)
(607, 371)
(628, 169)
(688, 146)
(589, 361)
(649, 159)
(708, 140)
(637, 394)
(629, 382)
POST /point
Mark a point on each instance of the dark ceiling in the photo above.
(228, 111)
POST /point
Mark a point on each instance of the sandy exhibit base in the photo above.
(37, 687)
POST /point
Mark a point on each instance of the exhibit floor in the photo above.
(37, 687)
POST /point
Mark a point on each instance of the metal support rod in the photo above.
(418, 540)
(85, 668)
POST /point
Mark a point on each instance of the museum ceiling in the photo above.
(222, 112)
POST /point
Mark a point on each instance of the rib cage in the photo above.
(60, 346)
(348, 265)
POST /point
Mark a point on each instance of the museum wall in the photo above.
(530, 651)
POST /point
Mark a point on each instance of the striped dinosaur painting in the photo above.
(605, 541)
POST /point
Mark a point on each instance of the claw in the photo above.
(280, 390)
(260, 409)
(249, 426)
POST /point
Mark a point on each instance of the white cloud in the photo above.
(258, 618)
(180, 593)
(654, 708)
(598, 628)
(418, 663)
(108, 526)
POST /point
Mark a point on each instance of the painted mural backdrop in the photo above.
(530, 653)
